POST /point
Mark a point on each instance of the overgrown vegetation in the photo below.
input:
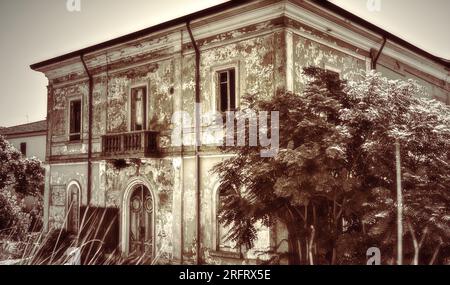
(20, 179)
(333, 183)
(90, 246)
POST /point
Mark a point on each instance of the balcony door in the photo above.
(138, 109)
(141, 222)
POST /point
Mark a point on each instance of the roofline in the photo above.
(24, 135)
(21, 125)
(144, 32)
(389, 36)
(36, 132)
(232, 4)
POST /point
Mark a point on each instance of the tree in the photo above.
(393, 110)
(336, 157)
(24, 176)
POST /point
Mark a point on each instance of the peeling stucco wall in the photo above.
(60, 178)
(255, 58)
(160, 175)
(309, 53)
(61, 97)
(396, 72)
(159, 78)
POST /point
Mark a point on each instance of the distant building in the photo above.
(30, 139)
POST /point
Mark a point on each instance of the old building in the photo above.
(110, 110)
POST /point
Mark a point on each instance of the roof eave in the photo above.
(232, 4)
(141, 33)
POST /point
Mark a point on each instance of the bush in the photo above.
(14, 223)
(7, 217)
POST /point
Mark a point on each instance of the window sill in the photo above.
(225, 254)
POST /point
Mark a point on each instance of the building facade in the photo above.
(30, 139)
(110, 109)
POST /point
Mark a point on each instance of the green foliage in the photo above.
(336, 166)
(7, 217)
(26, 176)
(19, 177)
(14, 223)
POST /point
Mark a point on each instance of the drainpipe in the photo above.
(89, 170)
(375, 60)
(197, 138)
(182, 159)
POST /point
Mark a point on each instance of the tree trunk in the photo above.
(435, 254)
(294, 249)
(311, 242)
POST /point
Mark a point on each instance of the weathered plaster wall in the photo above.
(255, 60)
(35, 145)
(160, 174)
(60, 107)
(60, 116)
(259, 61)
(396, 72)
(60, 177)
(110, 103)
(159, 78)
(189, 221)
(208, 221)
(310, 53)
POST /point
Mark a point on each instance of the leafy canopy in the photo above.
(336, 164)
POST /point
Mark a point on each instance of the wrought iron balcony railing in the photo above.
(131, 144)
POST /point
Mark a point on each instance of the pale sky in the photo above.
(36, 30)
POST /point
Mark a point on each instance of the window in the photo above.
(227, 90)
(23, 148)
(138, 108)
(73, 208)
(332, 69)
(223, 242)
(75, 120)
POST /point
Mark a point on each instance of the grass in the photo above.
(51, 248)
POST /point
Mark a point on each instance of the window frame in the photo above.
(215, 84)
(229, 89)
(333, 69)
(146, 107)
(217, 233)
(69, 121)
(68, 201)
(23, 148)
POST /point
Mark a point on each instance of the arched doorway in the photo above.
(141, 222)
(138, 221)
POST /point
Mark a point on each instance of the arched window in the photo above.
(223, 230)
(73, 207)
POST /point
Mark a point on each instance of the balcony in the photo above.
(130, 145)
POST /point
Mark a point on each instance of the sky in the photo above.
(32, 31)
